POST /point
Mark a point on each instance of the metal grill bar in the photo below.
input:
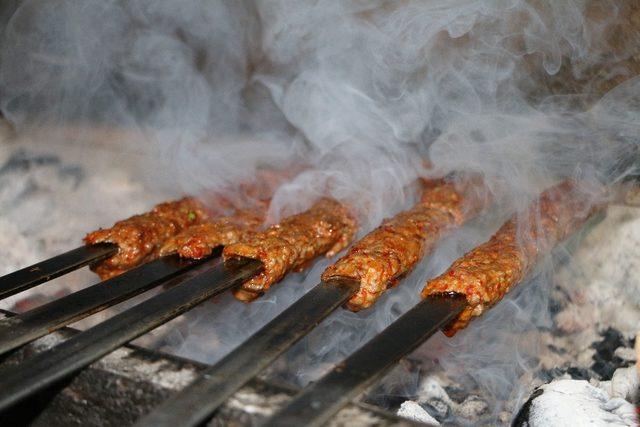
(49, 367)
(198, 401)
(26, 327)
(321, 400)
(51, 268)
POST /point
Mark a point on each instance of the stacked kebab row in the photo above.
(380, 259)
(163, 247)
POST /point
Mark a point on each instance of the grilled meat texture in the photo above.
(325, 228)
(140, 237)
(489, 271)
(382, 257)
(199, 241)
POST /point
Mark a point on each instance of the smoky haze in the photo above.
(362, 93)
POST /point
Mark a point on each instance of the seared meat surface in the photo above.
(325, 228)
(382, 257)
(199, 241)
(140, 237)
(488, 272)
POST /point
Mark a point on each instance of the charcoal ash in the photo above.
(570, 402)
(415, 412)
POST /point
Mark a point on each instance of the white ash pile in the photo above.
(576, 402)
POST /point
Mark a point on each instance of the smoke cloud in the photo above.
(363, 93)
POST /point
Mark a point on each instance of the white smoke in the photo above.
(362, 92)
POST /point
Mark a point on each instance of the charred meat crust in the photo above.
(199, 241)
(392, 250)
(325, 228)
(140, 237)
(489, 271)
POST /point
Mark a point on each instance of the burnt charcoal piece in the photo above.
(611, 339)
(437, 408)
(578, 373)
(547, 375)
(556, 350)
(522, 417)
(456, 393)
(605, 360)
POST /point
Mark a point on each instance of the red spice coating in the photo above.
(199, 241)
(382, 257)
(140, 237)
(325, 228)
(489, 271)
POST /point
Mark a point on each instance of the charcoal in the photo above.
(605, 362)
(611, 339)
(579, 373)
(437, 408)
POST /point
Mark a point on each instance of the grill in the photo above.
(189, 283)
(130, 382)
(446, 159)
(186, 284)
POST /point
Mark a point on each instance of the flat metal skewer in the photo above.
(318, 402)
(61, 361)
(51, 268)
(199, 400)
(26, 327)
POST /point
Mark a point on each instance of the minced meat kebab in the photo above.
(489, 271)
(382, 257)
(185, 226)
(325, 228)
(199, 241)
(140, 237)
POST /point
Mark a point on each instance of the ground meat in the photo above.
(140, 237)
(326, 228)
(392, 250)
(199, 241)
(488, 272)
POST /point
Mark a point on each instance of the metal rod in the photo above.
(51, 268)
(26, 327)
(61, 361)
(318, 402)
(199, 400)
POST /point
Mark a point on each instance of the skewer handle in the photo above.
(317, 403)
(51, 268)
(51, 366)
(28, 326)
(198, 401)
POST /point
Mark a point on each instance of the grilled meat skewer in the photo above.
(380, 259)
(163, 230)
(489, 271)
(140, 237)
(325, 228)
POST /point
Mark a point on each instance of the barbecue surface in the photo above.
(140, 237)
(488, 272)
(325, 228)
(389, 252)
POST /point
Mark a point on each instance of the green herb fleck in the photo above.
(191, 216)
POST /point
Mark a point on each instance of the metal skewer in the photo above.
(315, 405)
(199, 400)
(51, 366)
(51, 268)
(26, 327)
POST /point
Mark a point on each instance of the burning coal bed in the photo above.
(578, 364)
